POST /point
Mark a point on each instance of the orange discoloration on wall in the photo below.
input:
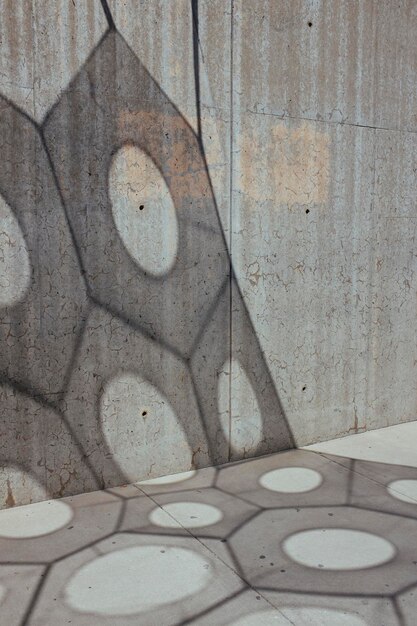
(289, 166)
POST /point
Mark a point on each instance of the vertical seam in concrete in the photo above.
(231, 229)
(33, 59)
(371, 255)
(371, 281)
(374, 241)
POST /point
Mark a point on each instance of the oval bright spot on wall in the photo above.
(14, 258)
(143, 210)
(140, 425)
(246, 428)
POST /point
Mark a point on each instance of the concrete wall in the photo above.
(207, 233)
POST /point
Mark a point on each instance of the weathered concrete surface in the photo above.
(146, 149)
(298, 538)
(343, 61)
(43, 45)
(324, 189)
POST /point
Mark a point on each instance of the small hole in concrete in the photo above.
(310, 24)
(141, 207)
(144, 413)
(307, 211)
(304, 388)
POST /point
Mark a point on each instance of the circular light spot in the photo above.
(14, 258)
(34, 520)
(137, 579)
(291, 480)
(17, 481)
(188, 514)
(338, 549)
(168, 480)
(266, 618)
(405, 490)
(306, 615)
(143, 210)
(138, 422)
(322, 617)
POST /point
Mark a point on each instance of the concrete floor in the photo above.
(323, 536)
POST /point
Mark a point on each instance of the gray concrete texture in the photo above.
(323, 536)
(207, 233)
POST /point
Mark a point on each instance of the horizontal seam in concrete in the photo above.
(335, 123)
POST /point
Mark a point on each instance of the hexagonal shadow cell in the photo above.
(43, 302)
(244, 412)
(36, 440)
(128, 579)
(327, 550)
(293, 478)
(248, 608)
(379, 470)
(143, 516)
(173, 72)
(310, 610)
(253, 609)
(17, 586)
(258, 421)
(202, 512)
(207, 364)
(407, 605)
(131, 404)
(46, 531)
(384, 487)
(132, 156)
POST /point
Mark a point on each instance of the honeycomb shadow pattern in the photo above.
(216, 546)
(92, 315)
